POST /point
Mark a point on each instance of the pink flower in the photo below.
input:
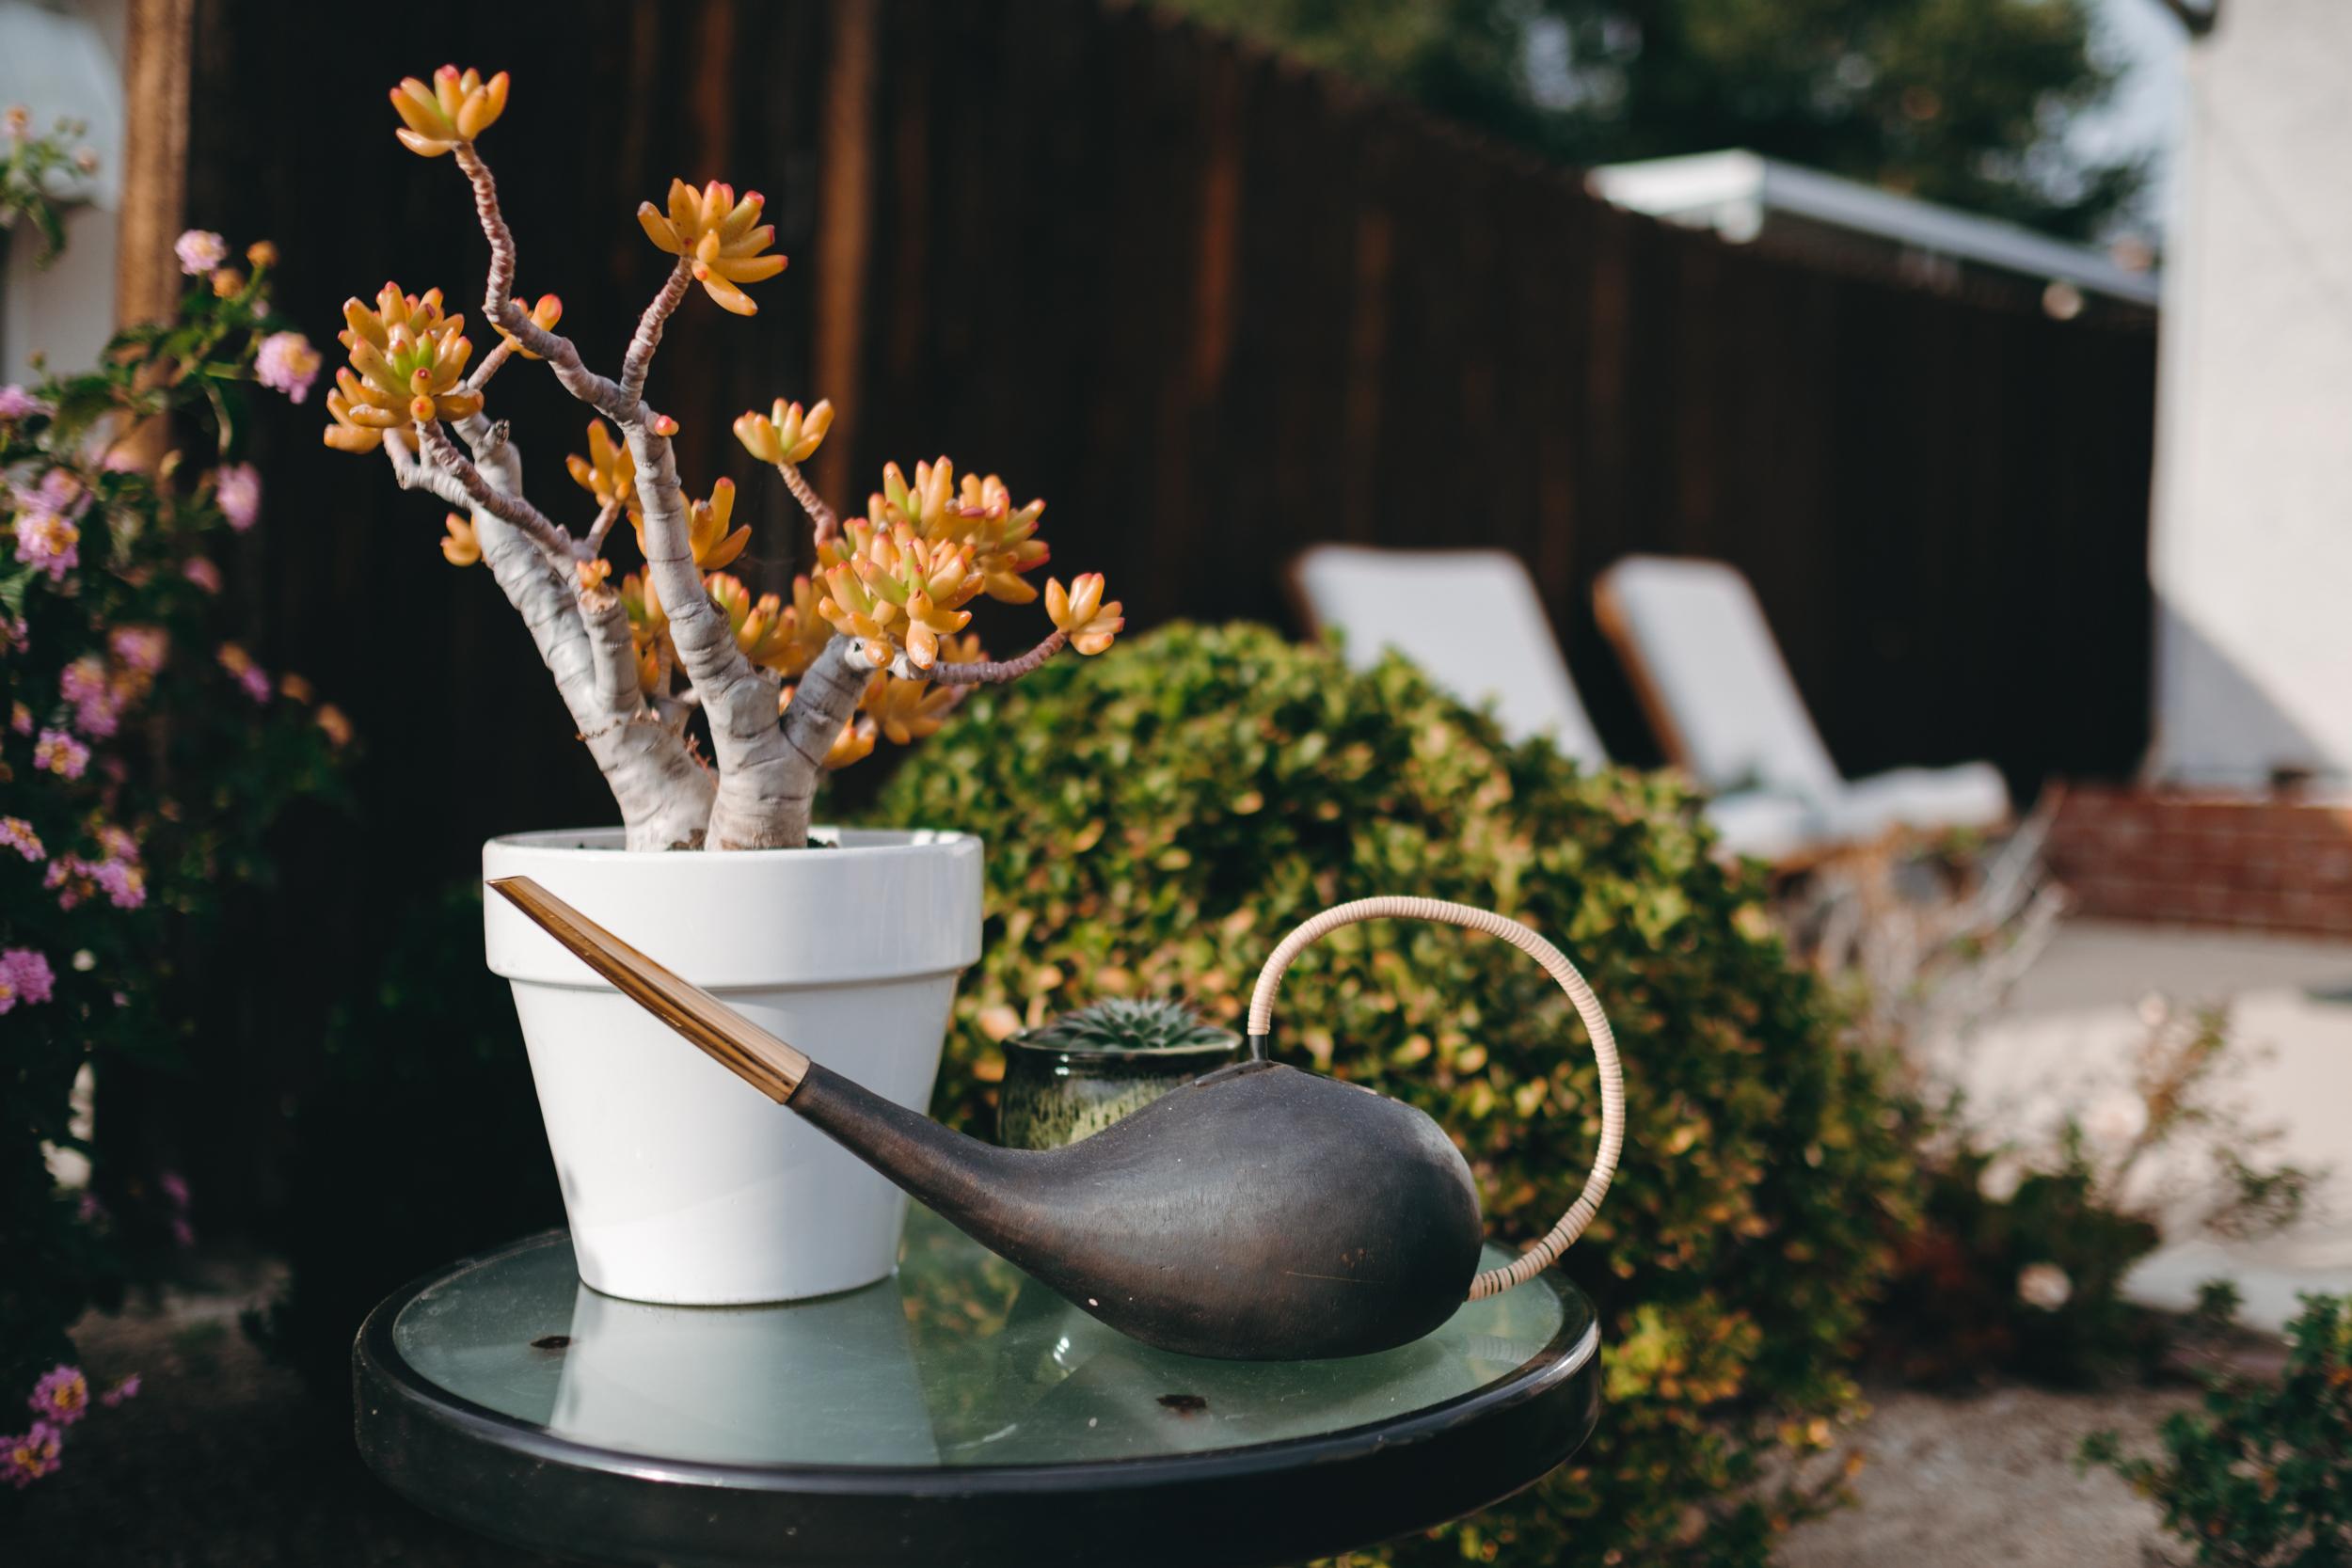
(83, 677)
(96, 705)
(60, 754)
(141, 648)
(200, 251)
(47, 542)
(15, 402)
(249, 674)
(63, 1396)
(24, 976)
(21, 719)
(203, 573)
(31, 1456)
(122, 881)
(287, 363)
(17, 835)
(119, 874)
(127, 1390)
(238, 490)
(175, 1187)
(61, 492)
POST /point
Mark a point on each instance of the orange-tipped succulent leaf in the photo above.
(609, 472)
(459, 547)
(906, 710)
(648, 630)
(1081, 612)
(407, 361)
(456, 107)
(855, 743)
(706, 533)
(718, 236)
(706, 528)
(765, 629)
(348, 434)
(786, 434)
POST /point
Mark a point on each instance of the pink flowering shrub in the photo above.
(143, 759)
(31, 1455)
(60, 1398)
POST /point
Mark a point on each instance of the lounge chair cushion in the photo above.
(1767, 827)
(1968, 795)
(1470, 619)
(1709, 659)
(1709, 666)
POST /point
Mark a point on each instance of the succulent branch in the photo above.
(536, 526)
(990, 672)
(826, 521)
(787, 436)
(639, 359)
(602, 527)
(871, 645)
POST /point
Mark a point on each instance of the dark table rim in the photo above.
(408, 1425)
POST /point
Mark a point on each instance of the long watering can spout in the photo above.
(1256, 1213)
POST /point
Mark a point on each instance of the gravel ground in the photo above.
(1990, 1481)
(223, 1463)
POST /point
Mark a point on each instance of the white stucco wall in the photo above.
(2252, 549)
(64, 59)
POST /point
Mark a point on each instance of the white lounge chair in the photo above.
(1710, 675)
(1474, 621)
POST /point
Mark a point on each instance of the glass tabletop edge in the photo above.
(1570, 1353)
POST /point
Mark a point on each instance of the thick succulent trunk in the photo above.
(766, 782)
(664, 794)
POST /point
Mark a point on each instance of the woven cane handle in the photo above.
(1556, 1241)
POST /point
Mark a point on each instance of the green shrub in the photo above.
(2261, 1476)
(1157, 819)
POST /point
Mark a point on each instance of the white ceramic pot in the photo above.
(684, 1184)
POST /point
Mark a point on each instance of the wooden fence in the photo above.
(1215, 309)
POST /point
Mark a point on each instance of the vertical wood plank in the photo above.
(156, 68)
(844, 229)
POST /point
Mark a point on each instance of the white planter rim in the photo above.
(599, 844)
(747, 919)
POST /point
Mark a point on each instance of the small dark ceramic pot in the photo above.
(1052, 1096)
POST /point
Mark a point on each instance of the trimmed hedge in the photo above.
(1157, 817)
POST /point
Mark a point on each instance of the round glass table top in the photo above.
(643, 1433)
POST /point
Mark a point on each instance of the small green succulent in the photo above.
(1123, 1026)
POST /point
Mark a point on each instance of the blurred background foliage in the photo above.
(1962, 102)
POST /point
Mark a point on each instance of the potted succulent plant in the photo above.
(682, 1188)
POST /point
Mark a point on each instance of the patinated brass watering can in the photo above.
(1256, 1213)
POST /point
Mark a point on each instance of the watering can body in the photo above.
(1259, 1212)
